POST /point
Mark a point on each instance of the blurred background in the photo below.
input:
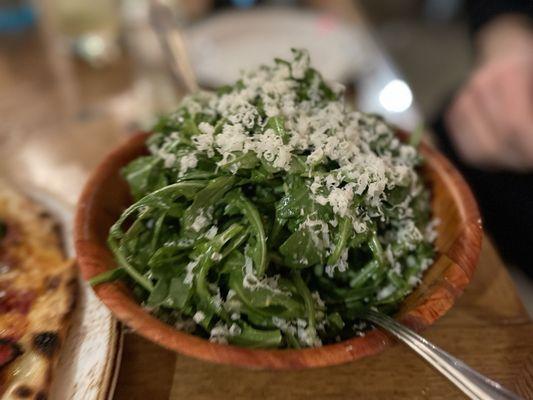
(103, 48)
(75, 75)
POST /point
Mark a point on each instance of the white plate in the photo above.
(90, 357)
(224, 44)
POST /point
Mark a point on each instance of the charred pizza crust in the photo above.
(37, 293)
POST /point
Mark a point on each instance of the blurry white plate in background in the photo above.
(226, 43)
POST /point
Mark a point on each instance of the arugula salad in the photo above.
(269, 214)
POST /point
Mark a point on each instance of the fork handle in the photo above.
(471, 382)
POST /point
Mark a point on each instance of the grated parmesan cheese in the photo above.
(211, 233)
(198, 317)
(187, 162)
(189, 275)
(219, 334)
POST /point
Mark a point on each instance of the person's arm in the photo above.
(491, 120)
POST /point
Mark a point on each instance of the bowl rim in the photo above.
(463, 255)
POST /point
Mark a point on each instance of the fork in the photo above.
(472, 383)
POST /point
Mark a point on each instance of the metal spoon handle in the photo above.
(471, 382)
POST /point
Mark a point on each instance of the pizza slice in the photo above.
(37, 293)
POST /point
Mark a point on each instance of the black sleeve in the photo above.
(482, 11)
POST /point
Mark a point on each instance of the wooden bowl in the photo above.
(106, 195)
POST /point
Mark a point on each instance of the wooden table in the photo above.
(45, 144)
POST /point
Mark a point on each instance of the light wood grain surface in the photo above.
(43, 143)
